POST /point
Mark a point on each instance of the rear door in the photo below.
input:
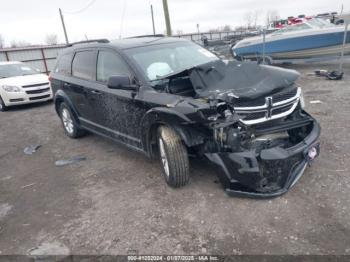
(62, 72)
(118, 112)
(82, 81)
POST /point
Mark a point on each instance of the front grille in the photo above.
(35, 85)
(251, 116)
(30, 92)
(281, 110)
(39, 97)
(250, 103)
(17, 100)
(276, 106)
(284, 95)
(277, 97)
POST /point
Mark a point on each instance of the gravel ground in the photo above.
(116, 202)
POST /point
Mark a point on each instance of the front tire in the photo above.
(173, 157)
(3, 107)
(69, 123)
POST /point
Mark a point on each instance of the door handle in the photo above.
(66, 84)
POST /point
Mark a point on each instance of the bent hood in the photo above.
(241, 80)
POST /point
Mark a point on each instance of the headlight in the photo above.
(301, 99)
(11, 88)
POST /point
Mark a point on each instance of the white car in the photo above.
(21, 84)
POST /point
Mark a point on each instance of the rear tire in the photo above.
(173, 157)
(69, 122)
(3, 107)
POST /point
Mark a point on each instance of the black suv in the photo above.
(171, 98)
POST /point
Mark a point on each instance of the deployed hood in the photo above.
(241, 80)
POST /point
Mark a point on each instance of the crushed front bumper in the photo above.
(269, 173)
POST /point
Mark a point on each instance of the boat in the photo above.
(314, 38)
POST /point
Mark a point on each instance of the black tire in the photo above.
(3, 108)
(176, 157)
(73, 131)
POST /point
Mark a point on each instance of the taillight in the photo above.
(50, 78)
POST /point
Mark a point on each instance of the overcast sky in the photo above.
(31, 20)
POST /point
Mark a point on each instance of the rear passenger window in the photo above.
(84, 64)
(64, 64)
(108, 64)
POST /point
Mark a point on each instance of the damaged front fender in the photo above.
(181, 123)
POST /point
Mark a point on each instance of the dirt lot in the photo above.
(116, 201)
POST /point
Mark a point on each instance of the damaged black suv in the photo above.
(169, 97)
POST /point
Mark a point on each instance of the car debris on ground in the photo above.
(69, 161)
(29, 150)
(315, 102)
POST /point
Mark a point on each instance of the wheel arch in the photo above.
(180, 123)
(61, 97)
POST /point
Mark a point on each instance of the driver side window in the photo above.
(108, 64)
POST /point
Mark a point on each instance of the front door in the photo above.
(118, 112)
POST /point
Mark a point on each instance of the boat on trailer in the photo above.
(313, 39)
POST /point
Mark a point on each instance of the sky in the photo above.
(32, 20)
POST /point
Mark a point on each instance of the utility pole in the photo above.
(167, 18)
(64, 26)
(154, 29)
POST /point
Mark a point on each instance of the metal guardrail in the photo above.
(219, 35)
(40, 57)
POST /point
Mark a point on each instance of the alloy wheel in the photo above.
(67, 121)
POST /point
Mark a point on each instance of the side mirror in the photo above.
(120, 82)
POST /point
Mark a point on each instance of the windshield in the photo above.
(319, 23)
(293, 28)
(11, 70)
(161, 60)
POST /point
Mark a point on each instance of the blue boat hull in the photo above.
(285, 48)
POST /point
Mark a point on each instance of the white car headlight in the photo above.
(302, 101)
(11, 88)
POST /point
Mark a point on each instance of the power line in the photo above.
(82, 9)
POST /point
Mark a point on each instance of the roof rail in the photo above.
(140, 36)
(102, 40)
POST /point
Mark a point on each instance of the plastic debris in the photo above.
(316, 102)
(29, 185)
(331, 75)
(72, 160)
(29, 150)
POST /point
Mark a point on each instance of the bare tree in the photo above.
(20, 43)
(51, 39)
(179, 32)
(213, 30)
(2, 42)
(248, 17)
(226, 28)
(256, 17)
(271, 16)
